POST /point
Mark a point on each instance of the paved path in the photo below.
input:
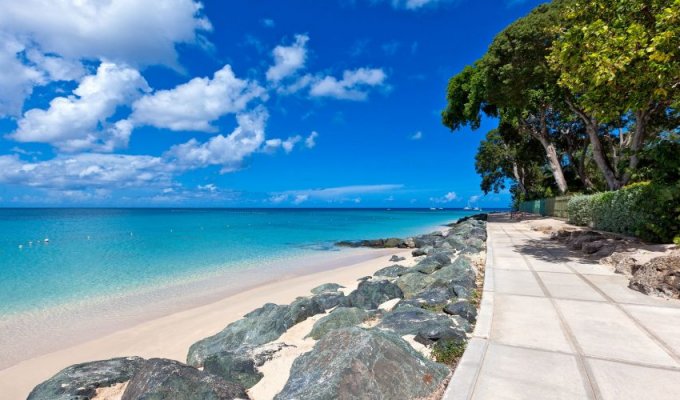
(553, 326)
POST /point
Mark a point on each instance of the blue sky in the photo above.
(259, 103)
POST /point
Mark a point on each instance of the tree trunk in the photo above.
(636, 142)
(519, 178)
(551, 155)
(598, 150)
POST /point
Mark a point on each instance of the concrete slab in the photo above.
(464, 378)
(511, 373)
(590, 268)
(604, 331)
(529, 322)
(547, 266)
(569, 286)
(485, 315)
(664, 322)
(618, 381)
(516, 282)
(616, 287)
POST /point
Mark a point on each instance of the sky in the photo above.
(258, 103)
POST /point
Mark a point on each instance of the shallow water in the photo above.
(93, 254)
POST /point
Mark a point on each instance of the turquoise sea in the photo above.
(49, 257)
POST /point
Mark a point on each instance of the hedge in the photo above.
(650, 211)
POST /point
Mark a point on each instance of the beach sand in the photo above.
(171, 335)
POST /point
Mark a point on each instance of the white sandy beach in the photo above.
(171, 335)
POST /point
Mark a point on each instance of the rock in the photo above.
(428, 326)
(392, 271)
(329, 300)
(660, 276)
(594, 246)
(258, 327)
(432, 263)
(354, 363)
(396, 258)
(327, 287)
(168, 379)
(578, 238)
(375, 243)
(464, 309)
(342, 317)
(430, 298)
(370, 294)
(413, 283)
(233, 367)
(81, 381)
(419, 252)
(459, 276)
(426, 241)
(622, 262)
(364, 278)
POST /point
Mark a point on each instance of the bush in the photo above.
(650, 211)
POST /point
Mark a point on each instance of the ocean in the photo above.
(53, 257)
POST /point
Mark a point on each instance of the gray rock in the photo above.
(327, 287)
(464, 309)
(233, 367)
(258, 327)
(428, 326)
(436, 297)
(364, 278)
(329, 300)
(81, 381)
(413, 283)
(392, 271)
(419, 252)
(396, 258)
(354, 363)
(370, 294)
(432, 263)
(660, 276)
(342, 317)
(161, 379)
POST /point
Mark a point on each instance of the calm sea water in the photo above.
(99, 252)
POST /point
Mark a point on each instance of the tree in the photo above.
(620, 62)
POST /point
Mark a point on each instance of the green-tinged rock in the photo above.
(354, 363)
(329, 300)
(160, 379)
(233, 367)
(370, 294)
(464, 309)
(342, 317)
(326, 287)
(392, 271)
(260, 326)
(432, 263)
(428, 326)
(413, 283)
(81, 381)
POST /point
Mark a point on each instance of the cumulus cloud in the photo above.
(80, 121)
(196, 104)
(417, 136)
(86, 171)
(288, 59)
(333, 194)
(129, 31)
(17, 79)
(226, 151)
(310, 142)
(447, 198)
(272, 145)
(352, 85)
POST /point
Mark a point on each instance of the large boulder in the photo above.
(464, 309)
(428, 326)
(328, 300)
(260, 326)
(413, 283)
(81, 381)
(327, 287)
(355, 363)
(392, 271)
(236, 367)
(342, 317)
(660, 276)
(433, 298)
(168, 379)
(370, 294)
(432, 263)
(396, 258)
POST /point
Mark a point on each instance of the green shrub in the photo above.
(650, 211)
(448, 351)
(580, 210)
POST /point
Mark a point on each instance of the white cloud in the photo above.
(196, 104)
(334, 194)
(352, 85)
(288, 59)
(210, 187)
(129, 31)
(310, 142)
(416, 4)
(268, 22)
(86, 171)
(227, 151)
(272, 145)
(16, 80)
(80, 121)
(474, 199)
(447, 198)
(417, 136)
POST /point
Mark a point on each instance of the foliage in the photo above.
(448, 351)
(648, 210)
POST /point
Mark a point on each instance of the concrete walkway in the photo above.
(552, 326)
